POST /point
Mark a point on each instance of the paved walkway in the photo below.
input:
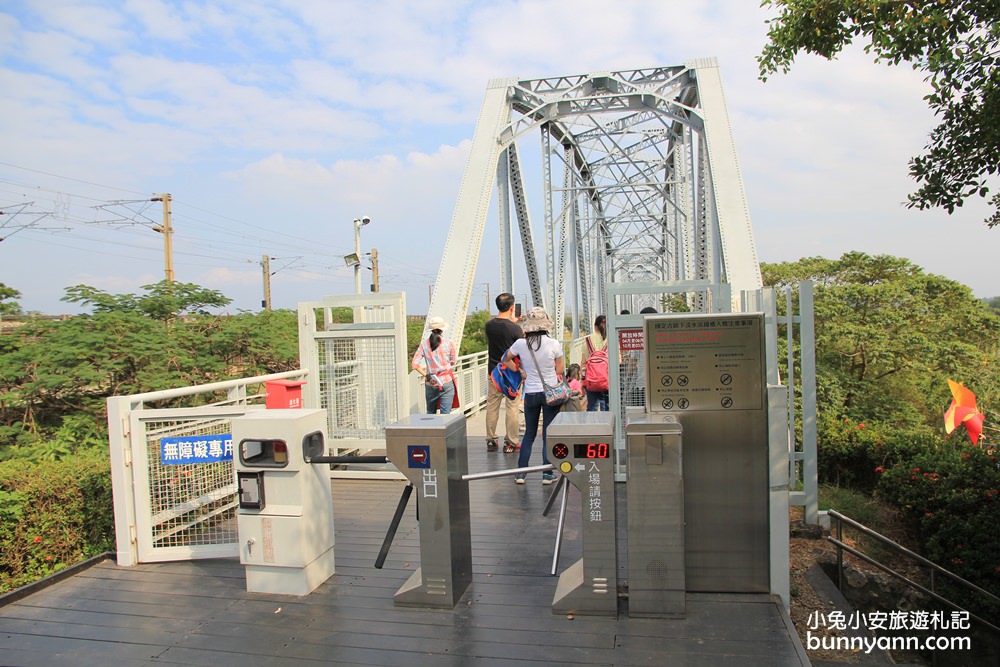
(199, 613)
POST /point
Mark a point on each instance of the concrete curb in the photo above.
(55, 577)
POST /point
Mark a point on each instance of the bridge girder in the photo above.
(640, 182)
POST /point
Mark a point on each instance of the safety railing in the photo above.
(471, 381)
(934, 570)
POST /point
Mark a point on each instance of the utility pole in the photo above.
(375, 270)
(265, 263)
(167, 230)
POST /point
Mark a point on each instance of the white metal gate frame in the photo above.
(359, 373)
(189, 507)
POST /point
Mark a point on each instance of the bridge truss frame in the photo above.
(640, 183)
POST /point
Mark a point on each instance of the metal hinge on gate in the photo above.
(127, 449)
(133, 537)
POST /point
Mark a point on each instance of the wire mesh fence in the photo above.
(191, 503)
(357, 386)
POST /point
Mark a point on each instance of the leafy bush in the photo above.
(950, 495)
(53, 514)
(854, 453)
(859, 506)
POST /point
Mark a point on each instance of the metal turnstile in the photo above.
(432, 452)
(581, 447)
(655, 501)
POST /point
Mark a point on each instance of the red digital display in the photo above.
(593, 450)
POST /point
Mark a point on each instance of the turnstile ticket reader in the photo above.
(581, 447)
(655, 500)
(285, 517)
(432, 452)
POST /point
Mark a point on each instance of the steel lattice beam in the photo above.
(640, 182)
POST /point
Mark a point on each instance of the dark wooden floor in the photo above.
(199, 613)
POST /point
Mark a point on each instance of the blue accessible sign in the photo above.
(196, 449)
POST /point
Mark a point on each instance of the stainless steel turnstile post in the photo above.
(581, 446)
(655, 501)
(432, 452)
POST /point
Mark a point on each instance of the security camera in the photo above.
(365, 220)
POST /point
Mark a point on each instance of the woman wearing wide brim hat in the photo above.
(540, 356)
(435, 360)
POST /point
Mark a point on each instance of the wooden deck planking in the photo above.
(199, 613)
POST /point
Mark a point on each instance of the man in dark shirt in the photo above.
(501, 332)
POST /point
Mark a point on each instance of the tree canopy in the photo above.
(55, 376)
(8, 303)
(955, 42)
(163, 301)
(888, 337)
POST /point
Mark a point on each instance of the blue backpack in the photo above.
(507, 380)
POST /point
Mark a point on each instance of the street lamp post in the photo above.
(358, 224)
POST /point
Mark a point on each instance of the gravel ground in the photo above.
(803, 554)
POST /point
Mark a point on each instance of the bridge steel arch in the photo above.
(640, 183)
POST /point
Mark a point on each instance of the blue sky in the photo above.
(274, 124)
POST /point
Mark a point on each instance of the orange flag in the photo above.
(963, 411)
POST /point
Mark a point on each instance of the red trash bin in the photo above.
(283, 394)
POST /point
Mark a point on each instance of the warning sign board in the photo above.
(705, 362)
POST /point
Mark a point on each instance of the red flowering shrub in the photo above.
(854, 454)
(950, 494)
(53, 514)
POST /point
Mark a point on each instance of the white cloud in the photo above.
(289, 118)
(88, 20)
(219, 278)
(115, 284)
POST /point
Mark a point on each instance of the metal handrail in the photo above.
(137, 400)
(934, 567)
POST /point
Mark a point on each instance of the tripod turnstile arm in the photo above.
(393, 525)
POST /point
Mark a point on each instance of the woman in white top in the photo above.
(539, 356)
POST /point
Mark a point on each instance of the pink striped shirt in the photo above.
(440, 361)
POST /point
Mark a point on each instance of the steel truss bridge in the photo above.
(640, 184)
(642, 197)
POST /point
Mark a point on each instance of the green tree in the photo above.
(888, 336)
(955, 42)
(8, 305)
(674, 303)
(163, 301)
(55, 376)
(474, 337)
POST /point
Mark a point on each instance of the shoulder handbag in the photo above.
(556, 395)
